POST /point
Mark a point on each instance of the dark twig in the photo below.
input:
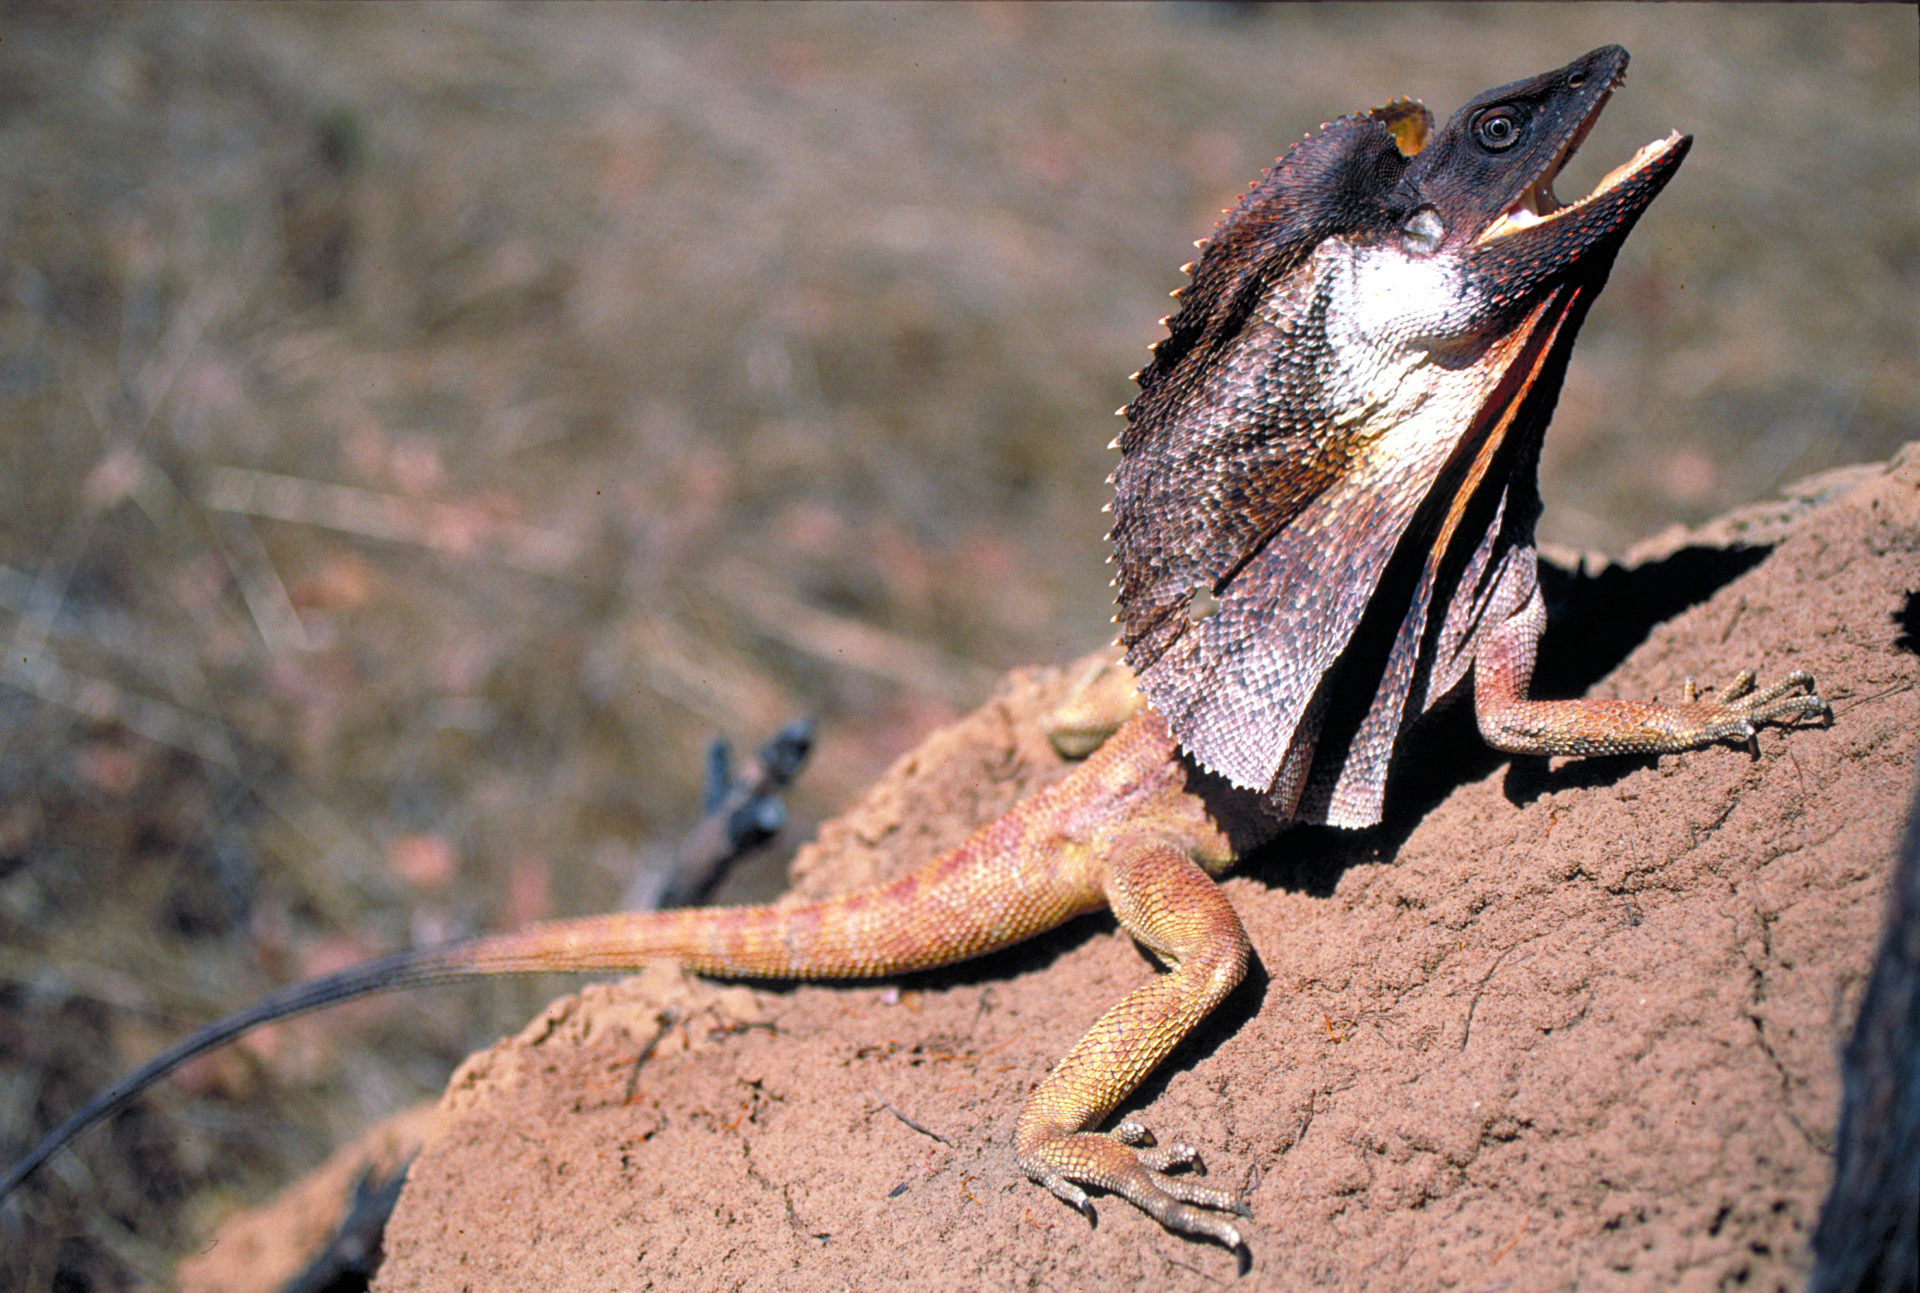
(743, 810)
(347, 1263)
(924, 1131)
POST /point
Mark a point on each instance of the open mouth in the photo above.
(1538, 204)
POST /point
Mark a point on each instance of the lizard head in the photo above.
(1482, 189)
(1465, 217)
(1357, 378)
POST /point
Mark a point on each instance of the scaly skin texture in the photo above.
(1048, 860)
(1324, 521)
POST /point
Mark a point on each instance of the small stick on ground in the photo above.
(924, 1131)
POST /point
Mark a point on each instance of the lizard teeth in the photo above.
(1534, 205)
(1647, 153)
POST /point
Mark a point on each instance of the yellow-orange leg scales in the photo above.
(1121, 831)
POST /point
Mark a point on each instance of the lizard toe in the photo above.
(1065, 1191)
(1152, 1155)
(1739, 709)
(1177, 1156)
(1793, 697)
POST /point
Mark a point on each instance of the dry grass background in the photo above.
(421, 430)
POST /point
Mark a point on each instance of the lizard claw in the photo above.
(1740, 709)
(1126, 1162)
(1175, 1157)
(1070, 1194)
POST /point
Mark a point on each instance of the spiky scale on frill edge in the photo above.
(1285, 211)
(1408, 120)
(1405, 118)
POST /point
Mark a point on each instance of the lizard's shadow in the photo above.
(1593, 622)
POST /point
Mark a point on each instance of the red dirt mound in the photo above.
(1573, 1026)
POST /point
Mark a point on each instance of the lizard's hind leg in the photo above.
(1167, 902)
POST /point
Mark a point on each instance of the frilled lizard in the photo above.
(1323, 522)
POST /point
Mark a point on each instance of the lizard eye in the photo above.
(1423, 230)
(1498, 131)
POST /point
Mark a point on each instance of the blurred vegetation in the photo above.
(422, 430)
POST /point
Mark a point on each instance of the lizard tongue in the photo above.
(1538, 202)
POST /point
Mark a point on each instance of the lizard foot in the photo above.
(1740, 709)
(1101, 697)
(1126, 1162)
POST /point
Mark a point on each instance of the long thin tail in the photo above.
(984, 895)
(387, 974)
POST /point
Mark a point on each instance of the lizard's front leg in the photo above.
(1503, 670)
(1166, 901)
